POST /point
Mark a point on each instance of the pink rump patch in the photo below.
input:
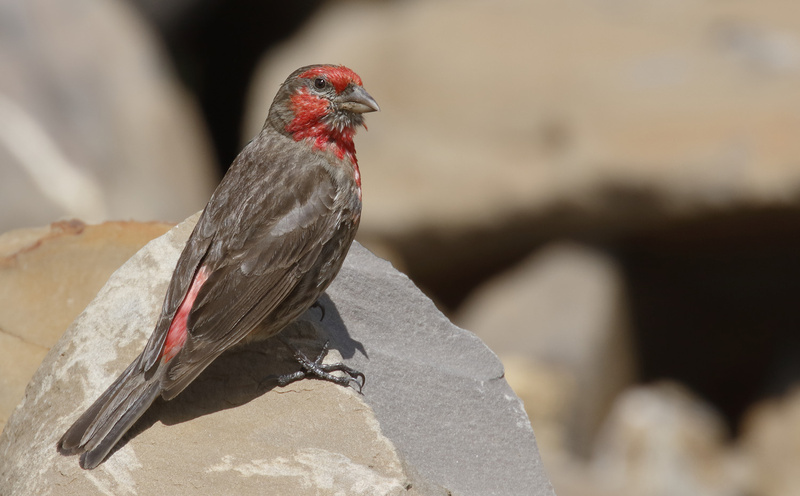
(176, 336)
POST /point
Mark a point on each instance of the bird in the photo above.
(269, 242)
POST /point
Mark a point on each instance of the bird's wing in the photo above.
(235, 207)
(256, 270)
(193, 254)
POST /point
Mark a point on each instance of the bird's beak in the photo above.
(356, 99)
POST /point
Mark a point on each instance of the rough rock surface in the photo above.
(47, 277)
(436, 414)
(92, 119)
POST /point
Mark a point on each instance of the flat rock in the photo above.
(436, 414)
(47, 277)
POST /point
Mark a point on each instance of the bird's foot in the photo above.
(315, 368)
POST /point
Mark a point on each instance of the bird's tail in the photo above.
(100, 427)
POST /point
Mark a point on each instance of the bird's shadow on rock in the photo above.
(250, 370)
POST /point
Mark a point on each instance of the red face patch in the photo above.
(338, 76)
(308, 110)
(311, 112)
(308, 122)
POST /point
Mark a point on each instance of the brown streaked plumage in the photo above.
(269, 242)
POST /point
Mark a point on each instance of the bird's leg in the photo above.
(321, 309)
(315, 368)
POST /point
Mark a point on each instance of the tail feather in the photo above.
(104, 423)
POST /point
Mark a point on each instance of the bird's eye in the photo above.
(320, 83)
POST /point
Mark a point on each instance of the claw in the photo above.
(315, 368)
(321, 309)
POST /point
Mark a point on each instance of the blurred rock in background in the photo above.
(607, 192)
(556, 320)
(216, 45)
(507, 124)
(93, 123)
(661, 440)
(771, 445)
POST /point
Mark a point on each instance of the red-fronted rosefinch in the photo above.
(269, 242)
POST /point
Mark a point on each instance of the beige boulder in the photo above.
(559, 322)
(436, 416)
(93, 122)
(662, 440)
(47, 276)
(619, 114)
(770, 442)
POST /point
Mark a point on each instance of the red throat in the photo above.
(309, 124)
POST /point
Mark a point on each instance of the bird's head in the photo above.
(322, 104)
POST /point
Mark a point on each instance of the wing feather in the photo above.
(262, 273)
(189, 262)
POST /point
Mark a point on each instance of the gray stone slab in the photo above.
(437, 390)
(436, 416)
